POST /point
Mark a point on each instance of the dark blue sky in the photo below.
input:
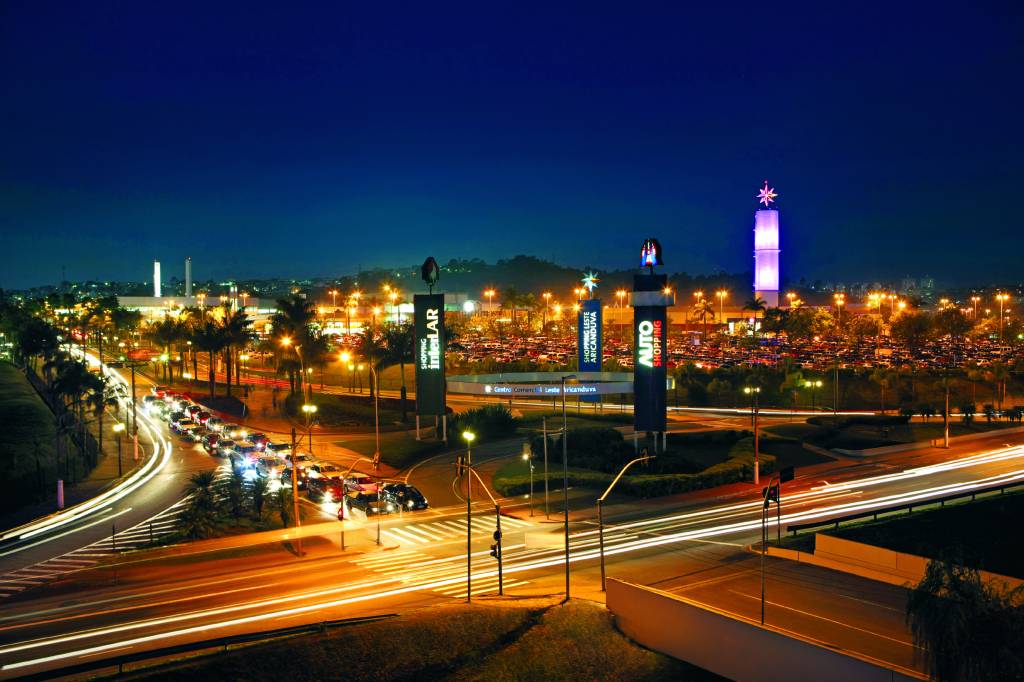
(311, 138)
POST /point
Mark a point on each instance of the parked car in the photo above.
(234, 431)
(210, 441)
(279, 449)
(270, 467)
(370, 504)
(182, 424)
(191, 431)
(325, 489)
(323, 470)
(260, 440)
(407, 496)
(362, 484)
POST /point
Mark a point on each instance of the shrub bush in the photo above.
(738, 467)
(487, 423)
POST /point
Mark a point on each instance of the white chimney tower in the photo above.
(156, 279)
(188, 277)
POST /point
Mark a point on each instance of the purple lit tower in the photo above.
(766, 248)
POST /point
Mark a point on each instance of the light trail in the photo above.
(154, 465)
(436, 576)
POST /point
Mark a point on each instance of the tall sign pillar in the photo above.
(589, 353)
(650, 300)
(428, 323)
(766, 248)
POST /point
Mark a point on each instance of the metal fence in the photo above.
(116, 665)
(907, 508)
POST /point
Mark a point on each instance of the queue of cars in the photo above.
(258, 456)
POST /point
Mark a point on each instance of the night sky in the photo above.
(296, 139)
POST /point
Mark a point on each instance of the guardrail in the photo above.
(909, 507)
(217, 646)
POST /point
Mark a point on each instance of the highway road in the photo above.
(696, 546)
(128, 514)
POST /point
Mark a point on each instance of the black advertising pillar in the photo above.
(428, 316)
(650, 301)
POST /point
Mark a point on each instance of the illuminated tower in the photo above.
(766, 248)
(156, 279)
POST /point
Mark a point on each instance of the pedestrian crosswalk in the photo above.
(426, 533)
(137, 536)
(411, 566)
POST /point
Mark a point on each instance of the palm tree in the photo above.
(998, 373)
(756, 305)
(234, 328)
(209, 338)
(164, 334)
(399, 341)
(292, 322)
(702, 310)
(885, 378)
(373, 350)
(199, 520)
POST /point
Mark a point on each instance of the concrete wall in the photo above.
(902, 567)
(733, 647)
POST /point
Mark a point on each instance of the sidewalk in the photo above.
(103, 476)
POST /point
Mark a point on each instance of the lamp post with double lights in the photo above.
(1002, 298)
(547, 304)
(721, 294)
(840, 301)
(753, 391)
(814, 385)
(974, 300)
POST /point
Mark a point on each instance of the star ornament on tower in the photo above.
(766, 195)
(590, 281)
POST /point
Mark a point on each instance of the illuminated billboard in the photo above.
(588, 336)
(650, 358)
(428, 315)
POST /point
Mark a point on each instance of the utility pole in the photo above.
(565, 482)
(544, 431)
(295, 495)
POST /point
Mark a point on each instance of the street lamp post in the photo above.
(600, 510)
(721, 294)
(309, 410)
(754, 391)
(814, 385)
(118, 428)
(565, 481)
(1001, 298)
(528, 458)
(469, 436)
(376, 416)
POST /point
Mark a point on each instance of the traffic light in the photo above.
(496, 547)
(770, 494)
